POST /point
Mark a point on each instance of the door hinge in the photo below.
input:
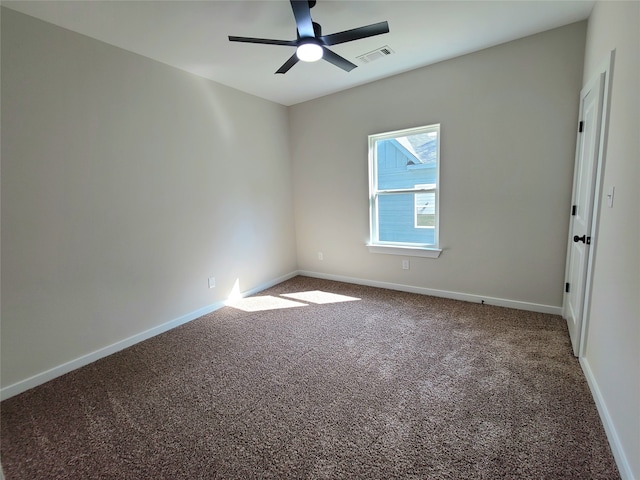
(566, 287)
(581, 126)
(574, 210)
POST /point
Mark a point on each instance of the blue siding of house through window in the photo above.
(397, 169)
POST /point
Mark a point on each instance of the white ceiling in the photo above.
(192, 35)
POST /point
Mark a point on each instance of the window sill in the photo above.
(427, 252)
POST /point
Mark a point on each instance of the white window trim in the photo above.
(417, 251)
(406, 249)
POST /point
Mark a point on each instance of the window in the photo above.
(403, 191)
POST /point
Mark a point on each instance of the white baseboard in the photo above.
(467, 297)
(43, 377)
(612, 434)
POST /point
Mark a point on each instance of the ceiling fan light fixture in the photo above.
(309, 52)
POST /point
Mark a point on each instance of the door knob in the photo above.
(583, 239)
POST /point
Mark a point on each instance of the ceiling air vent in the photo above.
(376, 54)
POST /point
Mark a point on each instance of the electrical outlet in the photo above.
(405, 264)
(320, 256)
(212, 282)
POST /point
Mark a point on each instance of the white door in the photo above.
(582, 207)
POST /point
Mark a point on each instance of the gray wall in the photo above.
(612, 359)
(508, 128)
(125, 185)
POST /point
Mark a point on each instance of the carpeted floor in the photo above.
(349, 382)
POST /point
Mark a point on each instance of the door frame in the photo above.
(605, 69)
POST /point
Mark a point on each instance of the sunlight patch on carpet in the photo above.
(320, 297)
(270, 302)
(259, 304)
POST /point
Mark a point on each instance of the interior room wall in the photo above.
(126, 184)
(508, 129)
(612, 357)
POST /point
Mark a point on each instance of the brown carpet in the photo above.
(393, 385)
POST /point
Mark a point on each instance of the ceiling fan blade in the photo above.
(288, 64)
(337, 60)
(267, 41)
(302, 13)
(356, 33)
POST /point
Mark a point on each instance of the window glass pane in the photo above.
(397, 221)
(425, 209)
(405, 161)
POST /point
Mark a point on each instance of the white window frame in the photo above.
(401, 248)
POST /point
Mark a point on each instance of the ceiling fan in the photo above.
(310, 44)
